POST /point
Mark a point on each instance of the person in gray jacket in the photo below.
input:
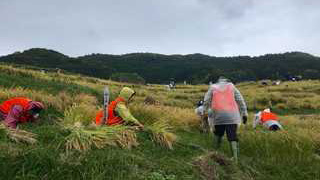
(226, 107)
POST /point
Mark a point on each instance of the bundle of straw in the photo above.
(161, 134)
(18, 135)
(126, 138)
(83, 138)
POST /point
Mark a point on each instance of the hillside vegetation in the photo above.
(290, 154)
(158, 68)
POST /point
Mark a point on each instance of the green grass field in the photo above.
(290, 154)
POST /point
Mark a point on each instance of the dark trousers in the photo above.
(230, 129)
(1, 116)
(274, 128)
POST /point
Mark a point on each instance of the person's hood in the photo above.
(223, 80)
(267, 110)
(126, 93)
(35, 108)
(35, 104)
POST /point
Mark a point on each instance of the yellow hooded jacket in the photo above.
(122, 109)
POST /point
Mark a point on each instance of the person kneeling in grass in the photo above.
(118, 112)
(204, 124)
(19, 110)
(267, 119)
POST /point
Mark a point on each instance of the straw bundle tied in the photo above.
(127, 138)
(84, 138)
(18, 135)
(161, 134)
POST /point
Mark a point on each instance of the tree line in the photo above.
(159, 68)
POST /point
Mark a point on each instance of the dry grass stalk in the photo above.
(84, 138)
(86, 99)
(161, 134)
(126, 139)
(83, 113)
(19, 136)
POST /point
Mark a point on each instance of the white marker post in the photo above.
(105, 105)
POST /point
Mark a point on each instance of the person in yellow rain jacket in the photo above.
(118, 111)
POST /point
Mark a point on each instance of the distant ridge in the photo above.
(159, 68)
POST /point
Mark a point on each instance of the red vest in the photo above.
(6, 106)
(267, 116)
(112, 117)
(223, 98)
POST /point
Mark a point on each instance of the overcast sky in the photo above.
(213, 27)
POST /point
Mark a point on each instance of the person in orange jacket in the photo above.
(19, 110)
(118, 112)
(267, 119)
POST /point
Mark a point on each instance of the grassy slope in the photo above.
(285, 155)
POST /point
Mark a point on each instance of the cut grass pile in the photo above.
(18, 135)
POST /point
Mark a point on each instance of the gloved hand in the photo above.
(244, 119)
(210, 112)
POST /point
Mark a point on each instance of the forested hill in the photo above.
(158, 68)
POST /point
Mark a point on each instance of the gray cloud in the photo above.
(215, 27)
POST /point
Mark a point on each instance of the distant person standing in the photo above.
(172, 84)
(268, 119)
(226, 107)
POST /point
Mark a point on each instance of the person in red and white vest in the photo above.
(19, 110)
(226, 109)
(267, 119)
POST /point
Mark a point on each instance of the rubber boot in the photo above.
(217, 140)
(235, 150)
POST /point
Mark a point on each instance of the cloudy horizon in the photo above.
(212, 27)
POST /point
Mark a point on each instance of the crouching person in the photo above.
(118, 112)
(19, 110)
(204, 124)
(226, 107)
(267, 119)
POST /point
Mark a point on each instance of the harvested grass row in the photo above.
(19, 136)
(83, 138)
